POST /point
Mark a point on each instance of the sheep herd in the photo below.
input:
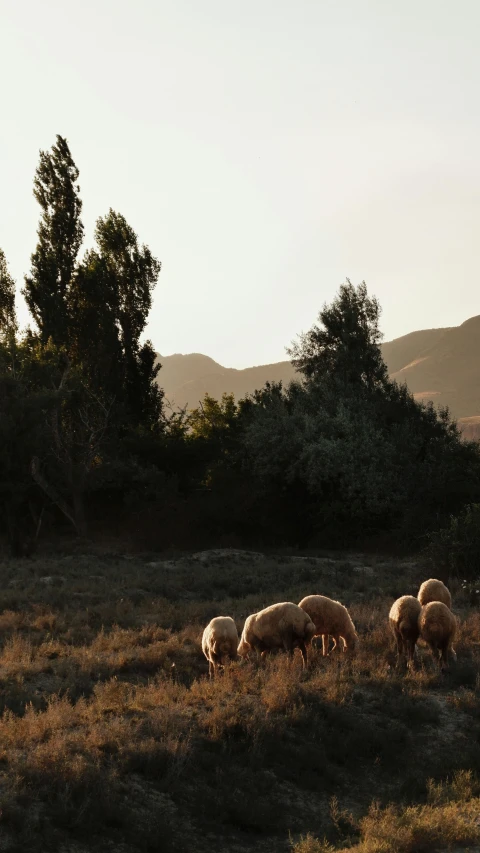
(289, 626)
(428, 616)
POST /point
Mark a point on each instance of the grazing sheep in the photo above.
(434, 590)
(280, 626)
(219, 642)
(438, 626)
(330, 619)
(403, 618)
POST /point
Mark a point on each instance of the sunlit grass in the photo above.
(112, 730)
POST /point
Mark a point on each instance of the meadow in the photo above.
(112, 737)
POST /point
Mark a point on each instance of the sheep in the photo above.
(438, 626)
(330, 619)
(219, 642)
(283, 625)
(403, 619)
(434, 590)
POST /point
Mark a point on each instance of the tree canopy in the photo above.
(341, 453)
(345, 346)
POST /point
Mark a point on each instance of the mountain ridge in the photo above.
(441, 364)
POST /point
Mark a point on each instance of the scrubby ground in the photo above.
(113, 738)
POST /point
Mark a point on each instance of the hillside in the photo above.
(448, 372)
(187, 378)
(402, 351)
(442, 365)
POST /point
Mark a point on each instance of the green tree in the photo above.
(8, 322)
(110, 301)
(348, 463)
(346, 347)
(94, 343)
(8, 319)
(60, 235)
(213, 419)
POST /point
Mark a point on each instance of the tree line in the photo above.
(89, 443)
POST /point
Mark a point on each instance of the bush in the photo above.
(454, 551)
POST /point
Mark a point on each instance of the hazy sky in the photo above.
(265, 151)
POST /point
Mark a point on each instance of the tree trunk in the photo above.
(78, 500)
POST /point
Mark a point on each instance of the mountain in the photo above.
(442, 365)
(187, 378)
(448, 371)
(402, 351)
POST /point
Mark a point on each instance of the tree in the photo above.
(348, 463)
(213, 419)
(347, 347)
(8, 321)
(110, 299)
(94, 343)
(60, 235)
(77, 424)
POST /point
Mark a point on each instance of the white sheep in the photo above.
(280, 626)
(438, 626)
(331, 619)
(219, 642)
(434, 590)
(403, 619)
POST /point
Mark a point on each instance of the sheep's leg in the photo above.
(398, 647)
(288, 644)
(436, 654)
(217, 663)
(444, 655)
(335, 644)
(325, 639)
(411, 645)
(303, 650)
(211, 669)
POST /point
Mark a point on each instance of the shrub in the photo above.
(454, 550)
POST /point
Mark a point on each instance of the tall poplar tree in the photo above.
(8, 321)
(110, 301)
(60, 234)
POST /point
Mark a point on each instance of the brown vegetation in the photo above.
(102, 749)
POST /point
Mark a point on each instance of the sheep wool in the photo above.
(403, 619)
(331, 619)
(434, 590)
(219, 643)
(280, 626)
(438, 626)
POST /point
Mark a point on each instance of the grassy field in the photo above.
(103, 746)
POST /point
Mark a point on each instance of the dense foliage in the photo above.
(341, 455)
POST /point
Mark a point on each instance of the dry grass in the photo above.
(100, 746)
(452, 819)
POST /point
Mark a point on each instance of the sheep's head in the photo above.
(243, 648)
(352, 644)
(309, 632)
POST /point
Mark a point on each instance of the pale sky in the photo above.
(264, 150)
